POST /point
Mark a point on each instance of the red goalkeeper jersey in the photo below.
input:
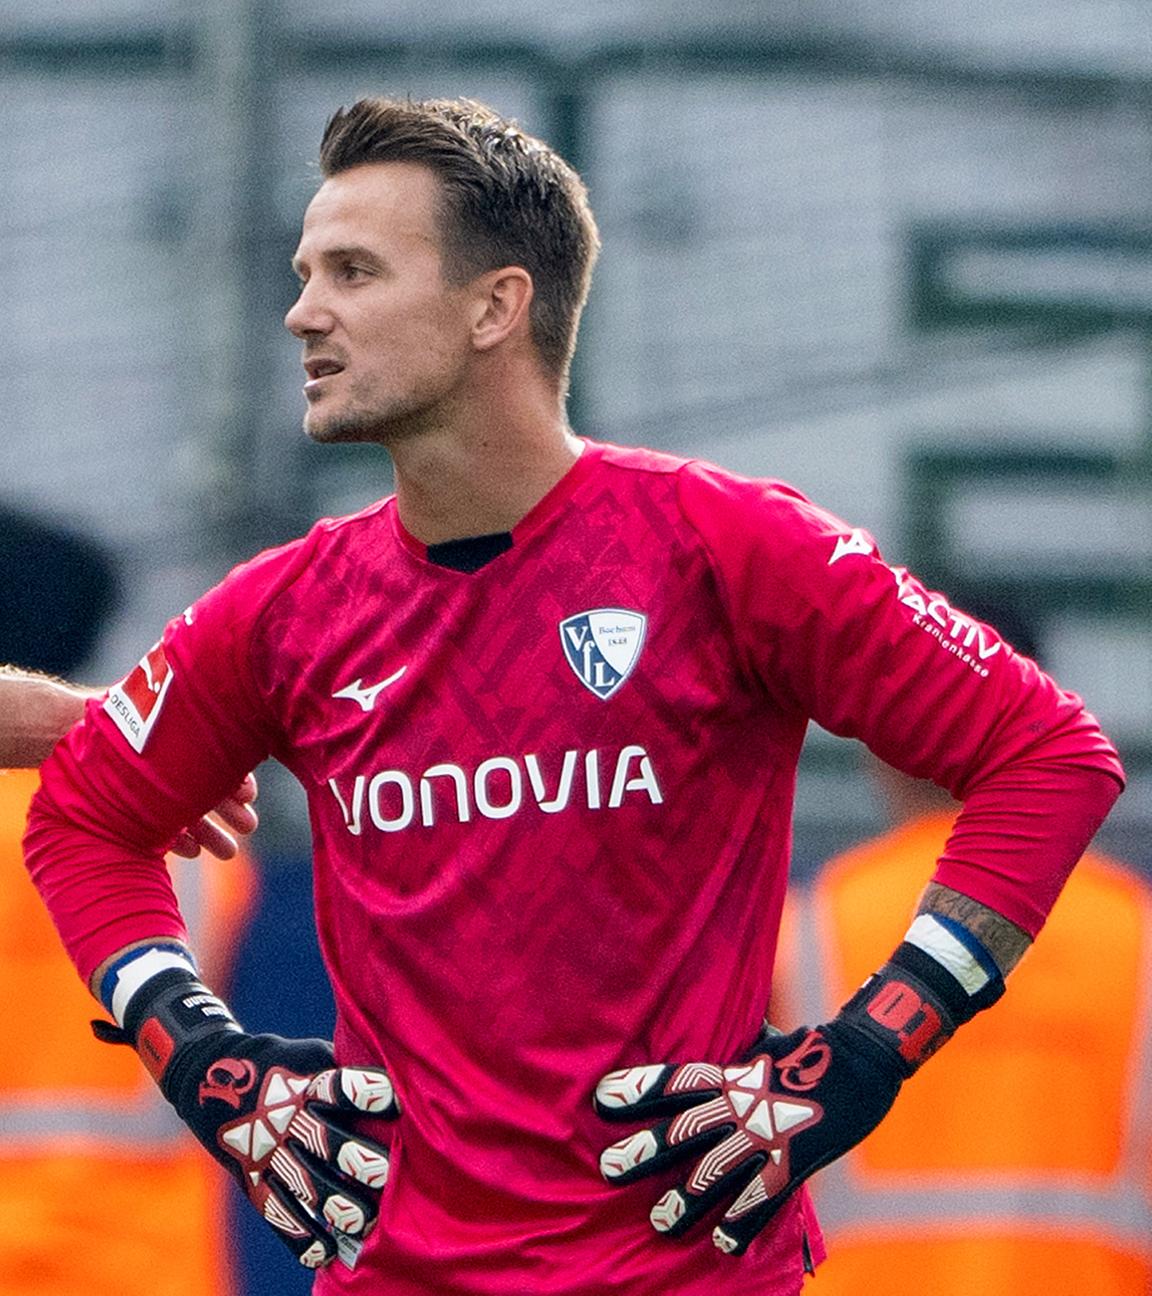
(551, 804)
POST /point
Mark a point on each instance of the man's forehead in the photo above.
(378, 200)
(375, 187)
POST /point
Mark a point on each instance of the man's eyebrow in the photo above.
(344, 252)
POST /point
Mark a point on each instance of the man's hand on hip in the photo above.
(761, 1126)
(277, 1113)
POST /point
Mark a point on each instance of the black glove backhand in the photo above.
(277, 1113)
(794, 1103)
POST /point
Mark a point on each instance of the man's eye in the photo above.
(353, 272)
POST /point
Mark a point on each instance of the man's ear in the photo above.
(502, 302)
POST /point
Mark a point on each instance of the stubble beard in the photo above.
(363, 425)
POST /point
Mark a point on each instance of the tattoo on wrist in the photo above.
(1001, 937)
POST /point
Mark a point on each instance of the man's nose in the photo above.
(308, 314)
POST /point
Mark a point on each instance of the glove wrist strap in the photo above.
(167, 1015)
(913, 1005)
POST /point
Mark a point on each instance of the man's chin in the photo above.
(342, 429)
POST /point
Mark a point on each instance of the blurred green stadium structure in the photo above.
(897, 254)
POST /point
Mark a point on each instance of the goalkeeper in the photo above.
(547, 703)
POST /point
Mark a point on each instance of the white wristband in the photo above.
(931, 936)
(133, 973)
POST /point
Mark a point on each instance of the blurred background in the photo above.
(898, 254)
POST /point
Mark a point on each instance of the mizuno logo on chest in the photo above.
(365, 695)
(497, 788)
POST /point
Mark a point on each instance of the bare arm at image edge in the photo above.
(35, 712)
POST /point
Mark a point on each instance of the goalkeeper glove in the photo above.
(793, 1104)
(277, 1113)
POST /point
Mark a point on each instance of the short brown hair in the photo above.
(509, 199)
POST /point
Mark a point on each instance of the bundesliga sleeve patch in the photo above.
(135, 702)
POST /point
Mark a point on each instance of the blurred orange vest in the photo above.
(102, 1190)
(1018, 1162)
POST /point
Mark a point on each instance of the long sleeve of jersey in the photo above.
(120, 786)
(833, 632)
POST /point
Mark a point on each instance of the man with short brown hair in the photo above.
(504, 199)
(547, 703)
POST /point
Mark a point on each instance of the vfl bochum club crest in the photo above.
(602, 646)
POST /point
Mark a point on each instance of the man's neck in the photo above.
(469, 482)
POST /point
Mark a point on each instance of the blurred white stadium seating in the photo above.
(753, 302)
